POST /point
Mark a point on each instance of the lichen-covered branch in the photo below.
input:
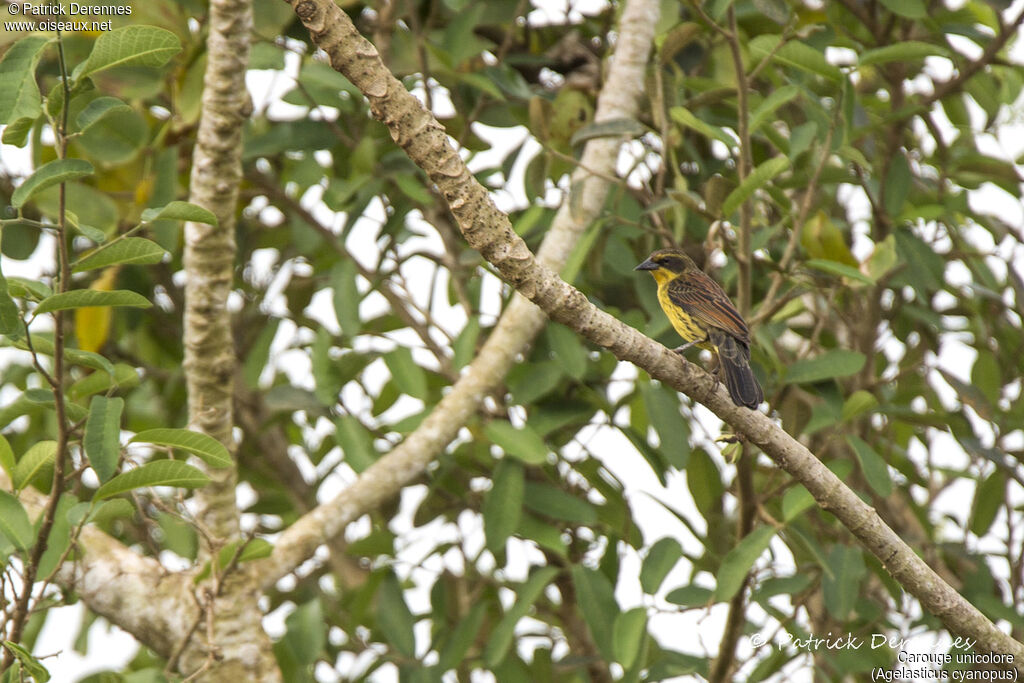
(520, 323)
(209, 257)
(239, 650)
(488, 230)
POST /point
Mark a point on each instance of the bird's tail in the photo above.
(734, 357)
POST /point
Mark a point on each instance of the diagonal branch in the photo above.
(489, 231)
(520, 323)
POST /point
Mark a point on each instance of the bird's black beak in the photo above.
(647, 265)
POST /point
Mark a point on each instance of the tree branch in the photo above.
(489, 231)
(240, 648)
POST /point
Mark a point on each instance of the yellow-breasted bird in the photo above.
(703, 315)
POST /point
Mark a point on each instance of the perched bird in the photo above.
(703, 315)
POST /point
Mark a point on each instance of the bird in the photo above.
(702, 314)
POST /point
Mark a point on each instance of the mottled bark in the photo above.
(230, 643)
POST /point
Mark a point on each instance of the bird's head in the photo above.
(666, 264)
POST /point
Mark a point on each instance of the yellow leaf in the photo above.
(92, 323)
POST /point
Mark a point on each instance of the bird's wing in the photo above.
(701, 297)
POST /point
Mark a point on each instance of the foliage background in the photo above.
(876, 248)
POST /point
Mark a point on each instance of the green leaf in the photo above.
(356, 443)
(612, 128)
(408, 375)
(628, 635)
(911, 9)
(795, 54)
(43, 345)
(876, 472)
(19, 92)
(115, 138)
(81, 298)
(555, 503)
(306, 632)
(883, 258)
(705, 483)
(203, 446)
(546, 535)
(346, 297)
(462, 638)
(673, 431)
(91, 233)
(840, 269)
(522, 443)
(178, 536)
(776, 10)
(757, 179)
(684, 117)
(928, 271)
(568, 349)
(501, 638)
(841, 583)
(129, 46)
(102, 435)
(16, 132)
(739, 560)
(7, 460)
(38, 457)
(69, 513)
(130, 251)
(986, 376)
(259, 353)
(179, 211)
(503, 504)
(690, 595)
(717, 8)
(660, 560)
(897, 184)
(464, 346)
(97, 109)
(858, 403)
(903, 51)
(52, 173)
(801, 138)
(14, 522)
(394, 618)
(124, 377)
(771, 103)
(327, 383)
(159, 473)
(989, 498)
(595, 596)
(30, 664)
(795, 501)
(10, 316)
(834, 363)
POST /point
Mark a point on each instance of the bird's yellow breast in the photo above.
(682, 322)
